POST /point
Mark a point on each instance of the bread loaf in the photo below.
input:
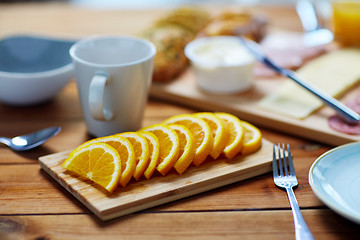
(170, 35)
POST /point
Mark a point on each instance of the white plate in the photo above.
(335, 179)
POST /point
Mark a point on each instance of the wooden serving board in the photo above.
(158, 190)
(183, 90)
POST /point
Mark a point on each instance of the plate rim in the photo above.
(334, 207)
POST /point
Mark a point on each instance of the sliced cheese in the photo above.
(333, 73)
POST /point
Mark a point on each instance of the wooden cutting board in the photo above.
(183, 90)
(158, 190)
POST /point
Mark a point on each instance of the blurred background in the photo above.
(159, 3)
(165, 3)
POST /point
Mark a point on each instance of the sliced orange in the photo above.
(141, 149)
(98, 162)
(201, 131)
(154, 149)
(126, 152)
(236, 134)
(252, 138)
(169, 146)
(218, 130)
(187, 147)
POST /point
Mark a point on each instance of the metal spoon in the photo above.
(315, 35)
(31, 140)
(345, 112)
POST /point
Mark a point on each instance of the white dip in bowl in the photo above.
(221, 64)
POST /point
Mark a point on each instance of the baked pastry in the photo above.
(170, 35)
(241, 23)
(191, 18)
(170, 41)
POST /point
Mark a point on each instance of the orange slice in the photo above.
(98, 162)
(187, 147)
(218, 130)
(141, 149)
(169, 146)
(252, 138)
(236, 134)
(201, 131)
(154, 149)
(126, 152)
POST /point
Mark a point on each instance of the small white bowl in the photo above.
(33, 69)
(221, 64)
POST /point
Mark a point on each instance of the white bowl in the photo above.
(221, 64)
(33, 69)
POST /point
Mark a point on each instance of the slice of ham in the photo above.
(287, 50)
(338, 124)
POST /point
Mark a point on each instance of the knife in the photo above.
(345, 112)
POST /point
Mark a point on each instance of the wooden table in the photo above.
(34, 206)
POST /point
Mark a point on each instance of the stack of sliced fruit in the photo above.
(175, 143)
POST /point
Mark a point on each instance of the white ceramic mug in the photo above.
(113, 76)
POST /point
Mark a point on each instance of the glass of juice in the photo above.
(346, 21)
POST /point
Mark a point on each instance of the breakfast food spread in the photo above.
(176, 143)
(170, 35)
(334, 73)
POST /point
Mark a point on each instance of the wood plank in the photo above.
(158, 190)
(324, 224)
(37, 193)
(27, 190)
(26, 186)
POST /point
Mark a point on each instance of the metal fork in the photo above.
(284, 177)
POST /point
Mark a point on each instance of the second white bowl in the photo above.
(221, 64)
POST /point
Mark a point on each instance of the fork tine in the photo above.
(291, 164)
(281, 171)
(274, 163)
(284, 159)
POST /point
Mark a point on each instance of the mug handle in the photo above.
(96, 97)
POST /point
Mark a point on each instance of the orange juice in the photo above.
(346, 19)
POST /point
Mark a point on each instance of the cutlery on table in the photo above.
(284, 177)
(345, 112)
(31, 140)
(315, 35)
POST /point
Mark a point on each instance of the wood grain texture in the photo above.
(34, 206)
(270, 225)
(244, 105)
(28, 186)
(158, 190)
